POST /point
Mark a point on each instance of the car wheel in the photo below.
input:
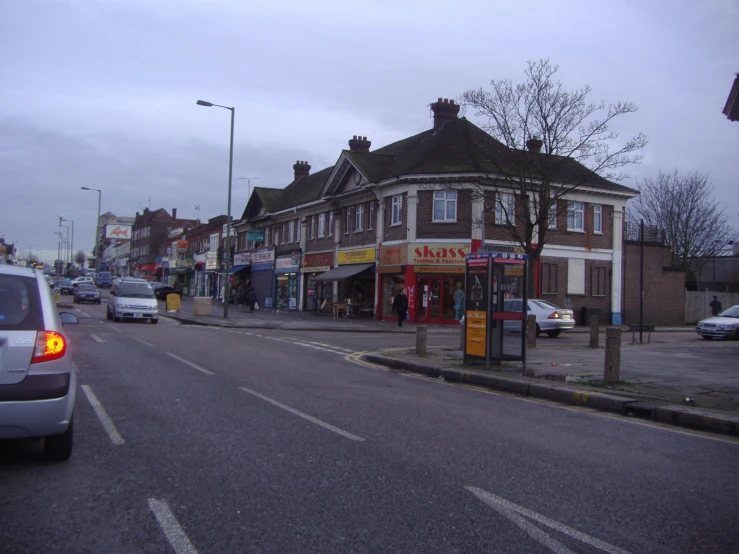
(59, 447)
(554, 334)
(107, 315)
(538, 330)
(155, 321)
(116, 319)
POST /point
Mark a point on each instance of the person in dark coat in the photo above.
(250, 295)
(716, 307)
(400, 306)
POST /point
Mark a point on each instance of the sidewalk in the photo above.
(652, 386)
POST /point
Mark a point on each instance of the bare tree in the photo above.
(695, 225)
(80, 258)
(556, 141)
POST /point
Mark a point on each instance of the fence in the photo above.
(652, 234)
(696, 303)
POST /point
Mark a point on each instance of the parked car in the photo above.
(65, 286)
(80, 280)
(550, 319)
(161, 290)
(722, 326)
(37, 379)
(132, 298)
(85, 292)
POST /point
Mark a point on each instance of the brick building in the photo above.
(149, 237)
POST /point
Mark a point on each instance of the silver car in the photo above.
(132, 298)
(550, 319)
(37, 378)
(722, 326)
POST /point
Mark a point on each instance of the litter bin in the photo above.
(588, 312)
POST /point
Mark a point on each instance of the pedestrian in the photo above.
(251, 295)
(716, 306)
(400, 306)
(241, 294)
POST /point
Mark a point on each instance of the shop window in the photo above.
(397, 210)
(598, 285)
(575, 216)
(370, 223)
(321, 225)
(359, 217)
(331, 223)
(549, 278)
(598, 219)
(505, 209)
(445, 206)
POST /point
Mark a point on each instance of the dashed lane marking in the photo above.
(115, 436)
(96, 338)
(171, 527)
(187, 362)
(143, 341)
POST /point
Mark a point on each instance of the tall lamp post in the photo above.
(226, 287)
(97, 229)
(70, 243)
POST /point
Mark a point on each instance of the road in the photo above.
(196, 439)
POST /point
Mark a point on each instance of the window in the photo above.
(575, 276)
(445, 205)
(312, 226)
(549, 278)
(553, 215)
(331, 223)
(359, 217)
(266, 236)
(598, 218)
(371, 216)
(598, 281)
(348, 222)
(283, 234)
(575, 216)
(291, 231)
(505, 209)
(299, 230)
(321, 225)
(397, 211)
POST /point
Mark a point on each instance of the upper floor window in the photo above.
(299, 230)
(348, 221)
(597, 218)
(505, 209)
(553, 215)
(575, 216)
(331, 223)
(359, 217)
(396, 217)
(312, 226)
(371, 216)
(283, 235)
(321, 225)
(291, 231)
(445, 205)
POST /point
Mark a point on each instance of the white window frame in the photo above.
(598, 219)
(505, 209)
(312, 227)
(575, 209)
(396, 210)
(553, 215)
(348, 221)
(321, 225)
(331, 223)
(358, 218)
(370, 225)
(445, 198)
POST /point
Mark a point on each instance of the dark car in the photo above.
(161, 290)
(65, 286)
(86, 293)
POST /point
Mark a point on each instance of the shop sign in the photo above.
(396, 254)
(211, 261)
(181, 246)
(186, 260)
(289, 263)
(317, 263)
(438, 253)
(263, 256)
(437, 269)
(243, 258)
(257, 235)
(359, 256)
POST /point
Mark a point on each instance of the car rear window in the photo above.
(20, 305)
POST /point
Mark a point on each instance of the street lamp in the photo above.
(97, 227)
(70, 244)
(226, 291)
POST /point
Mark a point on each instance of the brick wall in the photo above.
(398, 232)
(598, 275)
(428, 229)
(362, 237)
(664, 287)
(319, 244)
(496, 231)
(588, 239)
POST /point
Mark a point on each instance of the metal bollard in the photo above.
(462, 334)
(612, 367)
(421, 339)
(530, 331)
(594, 337)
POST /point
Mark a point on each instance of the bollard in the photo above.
(594, 337)
(462, 335)
(421, 340)
(612, 367)
(530, 331)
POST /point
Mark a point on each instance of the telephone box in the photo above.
(495, 307)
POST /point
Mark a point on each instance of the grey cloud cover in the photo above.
(102, 93)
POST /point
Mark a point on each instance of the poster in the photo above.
(476, 313)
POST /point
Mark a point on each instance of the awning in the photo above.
(236, 268)
(343, 272)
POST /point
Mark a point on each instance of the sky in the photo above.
(101, 93)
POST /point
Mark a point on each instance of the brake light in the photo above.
(50, 345)
(554, 315)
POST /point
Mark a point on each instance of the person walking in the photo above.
(716, 307)
(251, 295)
(400, 306)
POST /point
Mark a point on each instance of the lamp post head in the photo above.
(204, 103)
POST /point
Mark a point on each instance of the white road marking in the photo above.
(194, 366)
(512, 511)
(142, 341)
(248, 333)
(346, 350)
(307, 344)
(108, 425)
(114, 327)
(312, 419)
(96, 338)
(168, 522)
(84, 313)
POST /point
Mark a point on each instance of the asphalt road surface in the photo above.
(195, 439)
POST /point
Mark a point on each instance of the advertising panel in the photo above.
(317, 263)
(438, 253)
(182, 246)
(263, 256)
(118, 232)
(358, 256)
(257, 235)
(476, 315)
(211, 261)
(243, 258)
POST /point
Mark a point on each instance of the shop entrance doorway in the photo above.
(438, 300)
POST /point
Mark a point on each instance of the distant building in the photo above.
(731, 109)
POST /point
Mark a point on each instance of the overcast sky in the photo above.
(101, 93)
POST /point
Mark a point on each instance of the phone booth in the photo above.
(495, 308)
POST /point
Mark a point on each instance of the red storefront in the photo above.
(316, 292)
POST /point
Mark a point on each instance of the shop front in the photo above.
(316, 294)
(355, 278)
(262, 275)
(432, 275)
(287, 269)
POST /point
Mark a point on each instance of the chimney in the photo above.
(359, 144)
(301, 169)
(174, 213)
(444, 110)
(534, 144)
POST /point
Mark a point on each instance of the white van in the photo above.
(132, 299)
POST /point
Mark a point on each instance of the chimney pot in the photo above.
(301, 169)
(439, 100)
(358, 143)
(534, 144)
(451, 101)
(444, 111)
